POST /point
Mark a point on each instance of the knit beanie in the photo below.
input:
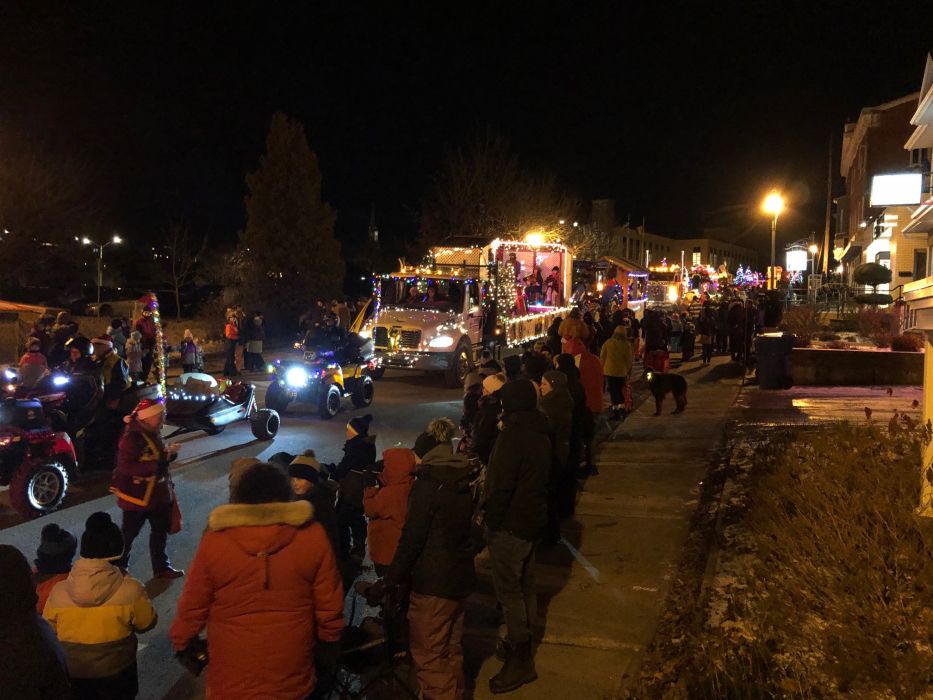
(556, 378)
(513, 366)
(519, 395)
(102, 538)
(493, 383)
(360, 424)
(262, 483)
(306, 467)
(56, 550)
(17, 588)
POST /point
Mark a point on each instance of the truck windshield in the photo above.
(434, 294)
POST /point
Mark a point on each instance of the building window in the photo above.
(920, 264)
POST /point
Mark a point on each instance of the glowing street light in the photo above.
(814, 249)
(773, 205)
(100, 261)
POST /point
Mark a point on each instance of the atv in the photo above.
(331, 368)
(35, 459)
(197, 402)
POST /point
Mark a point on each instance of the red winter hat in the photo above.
(145, 409)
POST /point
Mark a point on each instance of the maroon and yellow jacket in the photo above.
(141, 480)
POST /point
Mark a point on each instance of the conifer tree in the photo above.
(288, 254)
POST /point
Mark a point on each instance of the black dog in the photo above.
(662, 384)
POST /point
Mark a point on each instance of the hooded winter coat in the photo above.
(558, 407)
(96, 613)
(264, 582)
(436, 549)
(387, 506)
(359, 452)
(591, 375)
(517, 475)
(617, 355)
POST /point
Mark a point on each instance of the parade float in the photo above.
(467, 296)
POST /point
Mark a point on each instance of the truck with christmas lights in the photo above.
(466, 296)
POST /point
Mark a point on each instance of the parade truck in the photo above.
(466, 296)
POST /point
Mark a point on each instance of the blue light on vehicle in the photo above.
(296, 377)
(9, 374)
(59, 381)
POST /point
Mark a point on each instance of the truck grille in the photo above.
(409, 339)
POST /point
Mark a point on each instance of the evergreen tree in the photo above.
(288, 254)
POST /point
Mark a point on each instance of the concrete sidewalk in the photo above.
(601, 591)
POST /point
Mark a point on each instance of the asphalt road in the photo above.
(403, 405)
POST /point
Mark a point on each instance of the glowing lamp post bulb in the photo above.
(773, 205)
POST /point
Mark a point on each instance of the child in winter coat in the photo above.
(386, 506)
(189, 352)
(472, 392)
(97, 612)
(33, 364)
(359, 452)
(310, 484)
(53, 560)
(134, 354)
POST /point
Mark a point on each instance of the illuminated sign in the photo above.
(895, 190)
(797, 260)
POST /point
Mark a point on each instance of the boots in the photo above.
(519, 668)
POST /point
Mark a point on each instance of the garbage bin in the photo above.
(773, 351)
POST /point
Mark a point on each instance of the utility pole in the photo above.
(827, 249)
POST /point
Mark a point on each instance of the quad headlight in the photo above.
(59, 380)
(296, 377)
(441, 341)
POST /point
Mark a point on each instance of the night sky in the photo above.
(685, 114)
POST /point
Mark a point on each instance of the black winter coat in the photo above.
(486, 426)
(359, 452)
(436, 549)
(517, 476)
(322, 498)
(32, 665)
(558, 407)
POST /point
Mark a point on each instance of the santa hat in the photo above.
(146, 409)
(104, 340)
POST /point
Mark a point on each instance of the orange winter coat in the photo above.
(387, 506)
(264, 582)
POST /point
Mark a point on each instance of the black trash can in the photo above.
(773, 352)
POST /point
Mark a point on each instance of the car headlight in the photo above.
(59, 380)
(441, 341)
(296, 377)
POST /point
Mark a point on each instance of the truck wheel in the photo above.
(276, 398)
(460, 365)
(265, 424)
(329, 403)
(363, 390)
(39, 488)
(377, 373)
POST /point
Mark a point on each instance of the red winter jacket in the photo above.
(591, 374)
(387, 506)
(147, 329)
(264, 582)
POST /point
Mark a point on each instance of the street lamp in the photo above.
(814, 249)
(100, 261)
(773, 205)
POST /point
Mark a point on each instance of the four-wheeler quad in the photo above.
(197, 402)
(332, 365)
(35, 459)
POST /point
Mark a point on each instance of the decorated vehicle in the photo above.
(199, 402)
(329, 365)
(665, 284)
(469, 295)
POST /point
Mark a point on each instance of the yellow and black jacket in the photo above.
(96, 613)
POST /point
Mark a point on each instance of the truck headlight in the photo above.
(366, 333)
(296, 377)
(441, 341)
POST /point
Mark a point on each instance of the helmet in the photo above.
(82, 344)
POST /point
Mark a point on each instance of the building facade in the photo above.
(871, 146)
(643, 248)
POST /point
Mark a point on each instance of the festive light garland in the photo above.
(152, 301)
(506, 285)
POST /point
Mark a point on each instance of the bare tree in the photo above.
(183, 252)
